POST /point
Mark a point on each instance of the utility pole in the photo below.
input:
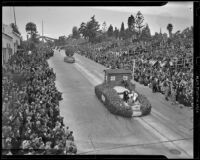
(14, 15)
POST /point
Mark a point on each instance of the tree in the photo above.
(139, 21)
(116, 33)
(83, 30)
(146, 33)
(31, 28)
(131, 23)
(35, 37)
(75, 33)
(170, 28)
(91, 29)
(110, 31)
(61, 40)
(104, 28)
(15, 28)
(122, 31)
(128, 34)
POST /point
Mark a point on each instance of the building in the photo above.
(10, 42)
(112, 75)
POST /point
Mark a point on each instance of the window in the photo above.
(112, 78)
(125, 78)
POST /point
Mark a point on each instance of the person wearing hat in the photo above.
(125, 96)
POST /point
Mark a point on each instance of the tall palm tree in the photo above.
(170, 28)
(31, 28)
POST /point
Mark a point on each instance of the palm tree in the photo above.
(31, 28)
(170, 28)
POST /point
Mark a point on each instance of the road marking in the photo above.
(100, 74)
(95, 72)
(160, 131)
(152, 130)
(160, 114)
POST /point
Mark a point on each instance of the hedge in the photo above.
(69, 59)
(115, 104)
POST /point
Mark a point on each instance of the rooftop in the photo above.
(117, 71)
(7, 35)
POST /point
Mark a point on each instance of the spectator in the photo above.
(154, 59)
(30, 106)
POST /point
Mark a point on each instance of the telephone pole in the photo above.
(14, 15)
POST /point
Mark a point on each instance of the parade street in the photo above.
(167, 130)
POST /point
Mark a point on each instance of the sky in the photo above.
(59, 21)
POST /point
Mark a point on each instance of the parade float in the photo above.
(69, 52)
(115, 89)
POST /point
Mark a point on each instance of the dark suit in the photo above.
(125, 96)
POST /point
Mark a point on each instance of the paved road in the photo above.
(167, 130)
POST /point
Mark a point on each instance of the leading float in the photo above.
(119, 94)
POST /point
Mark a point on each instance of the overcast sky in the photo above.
(59, 21)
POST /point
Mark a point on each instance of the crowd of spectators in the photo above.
(166, 67)
(31, 121)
